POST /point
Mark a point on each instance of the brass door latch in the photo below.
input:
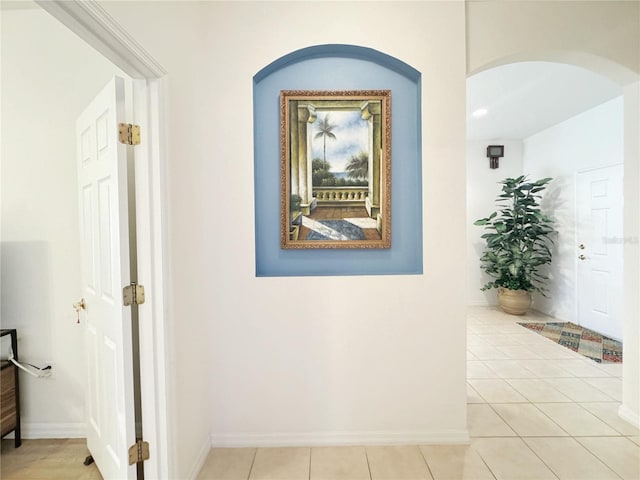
(81, 305)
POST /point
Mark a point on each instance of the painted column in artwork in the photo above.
(293, 149)
(306, 115)
(372, 112)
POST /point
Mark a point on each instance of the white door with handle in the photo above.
(599, 250)
(102, 185)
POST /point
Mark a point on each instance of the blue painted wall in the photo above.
(340, 67)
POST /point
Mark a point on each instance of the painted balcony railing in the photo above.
(341, 194)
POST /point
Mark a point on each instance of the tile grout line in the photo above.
(543, 413)
(601, 420)
(598, 457)
(546, 379)
(483, 460)
(366, 456)
(593, 454)
(601, 390)
(605, 421)
(427, 463)
(539, 457)
(534, 403)
(253, 461)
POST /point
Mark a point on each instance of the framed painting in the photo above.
(335, 169)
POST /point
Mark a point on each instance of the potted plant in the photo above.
(295, 215)
(517, 244)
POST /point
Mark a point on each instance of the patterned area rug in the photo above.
(586, 342)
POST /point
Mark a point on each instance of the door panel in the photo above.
(599, 231)
(102, 190)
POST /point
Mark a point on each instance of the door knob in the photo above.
(582, 257)
(81, 305)
(581, 246)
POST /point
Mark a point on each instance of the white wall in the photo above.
(48, 76)
(360, 360)
(590, 140)
(630, 408)
(594, 34)
(482, 189)
(276, 374)
(353, 359)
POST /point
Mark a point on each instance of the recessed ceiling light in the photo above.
(481, 112)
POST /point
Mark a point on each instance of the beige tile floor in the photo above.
(535, 411)
(59, 459)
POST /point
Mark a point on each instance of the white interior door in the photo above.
(102, 185)
(599, 250)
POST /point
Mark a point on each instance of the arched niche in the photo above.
(340, 67)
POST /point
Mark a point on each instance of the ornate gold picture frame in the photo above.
(335, 169)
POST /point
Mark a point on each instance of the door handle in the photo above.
(581, 246)
(582, 257)
(81, 305)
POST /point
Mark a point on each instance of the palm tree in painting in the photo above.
(358, 166)
(325, 130)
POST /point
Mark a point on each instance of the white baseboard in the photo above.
(446, 437)
(629, 415)
(51, 430)
(200, 459)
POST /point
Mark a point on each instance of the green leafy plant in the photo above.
(294, 203)
(519, 237)
(321, 173)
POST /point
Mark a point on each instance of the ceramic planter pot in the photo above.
(515, 302)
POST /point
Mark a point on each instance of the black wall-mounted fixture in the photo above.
(494, 153)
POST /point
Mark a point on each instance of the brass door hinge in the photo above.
(138, 452)
(129, 134)
(133, 294)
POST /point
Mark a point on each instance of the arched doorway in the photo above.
(629, 86)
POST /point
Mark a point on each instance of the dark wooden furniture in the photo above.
(10, 392)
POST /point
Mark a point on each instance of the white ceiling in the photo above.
(524, 98)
